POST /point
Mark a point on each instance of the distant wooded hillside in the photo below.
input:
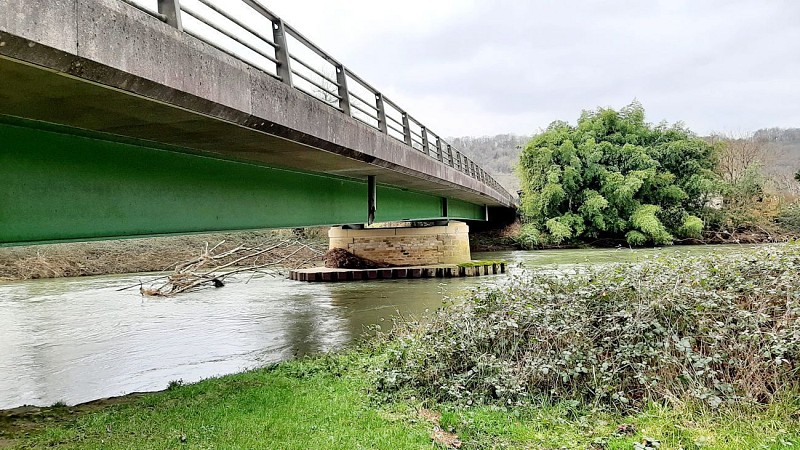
(782, 146)
(776, 150)
(498, 155)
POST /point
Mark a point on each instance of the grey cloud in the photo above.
(715, 65)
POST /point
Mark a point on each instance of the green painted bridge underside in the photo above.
(64, 184)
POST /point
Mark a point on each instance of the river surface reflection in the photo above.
(79, 339)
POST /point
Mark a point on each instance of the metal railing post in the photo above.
(439, 149)
(171, 9)
(381, 108)
(407, 130)
(284, 68)
(344, 95)
(451, 163)
(426, 146)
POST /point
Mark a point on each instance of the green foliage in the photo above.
(529, 237)
(644, 219)
(716, 329)
(789, 217)
(635, 238)
(743, 198)
(614, 173)
(691, 228)
(559, 229)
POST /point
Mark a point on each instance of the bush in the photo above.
(612, 173)
(692, 227)
(789, 218)
(635, 238)
(712, 328)
(529, 237)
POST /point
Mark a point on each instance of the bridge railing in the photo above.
(248, 31)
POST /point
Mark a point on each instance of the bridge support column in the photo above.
(406, 246)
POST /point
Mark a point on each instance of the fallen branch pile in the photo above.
(339, 258)
(214, 265)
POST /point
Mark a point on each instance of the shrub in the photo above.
(529, 237)
(692, 227)
(789, 218)
(635, 238)
(596, 178)
(713, 328)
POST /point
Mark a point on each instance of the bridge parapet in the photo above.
(239, 28)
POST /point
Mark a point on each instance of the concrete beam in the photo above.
(51, 23)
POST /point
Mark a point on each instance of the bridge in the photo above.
(118, 119)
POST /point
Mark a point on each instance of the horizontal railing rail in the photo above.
(264, 41)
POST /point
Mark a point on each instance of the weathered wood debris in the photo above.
(213, 266)
(339, 258)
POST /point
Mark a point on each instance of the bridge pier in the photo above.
(406, 246)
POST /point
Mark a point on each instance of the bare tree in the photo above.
(737, 153)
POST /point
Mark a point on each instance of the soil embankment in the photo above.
(144, 254)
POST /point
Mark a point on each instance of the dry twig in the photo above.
(213, 266)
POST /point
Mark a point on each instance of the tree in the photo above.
(735, 155)
(613, 176)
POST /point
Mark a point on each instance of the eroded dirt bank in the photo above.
(142, 254)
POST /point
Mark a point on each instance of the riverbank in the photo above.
(156, 254)
(633, 356)
(508, 238)
(329, 402)
(152, 254)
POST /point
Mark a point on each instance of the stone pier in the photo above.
(406, 246)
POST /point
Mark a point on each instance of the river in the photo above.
(79, 339)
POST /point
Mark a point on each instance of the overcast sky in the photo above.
(487, 67)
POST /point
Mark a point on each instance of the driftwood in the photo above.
(339, 258)
(213, 266)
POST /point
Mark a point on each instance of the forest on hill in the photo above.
(781, 150)
(497, 154)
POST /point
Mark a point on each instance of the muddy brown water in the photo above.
(79, 339)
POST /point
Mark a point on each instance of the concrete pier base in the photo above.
(406, 246)
(393, 273)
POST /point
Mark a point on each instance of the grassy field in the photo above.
(327, 402)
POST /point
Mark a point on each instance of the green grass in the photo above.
(325, 403)
(297, 405)
(566, 426)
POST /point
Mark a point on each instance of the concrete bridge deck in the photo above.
(106, 68)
